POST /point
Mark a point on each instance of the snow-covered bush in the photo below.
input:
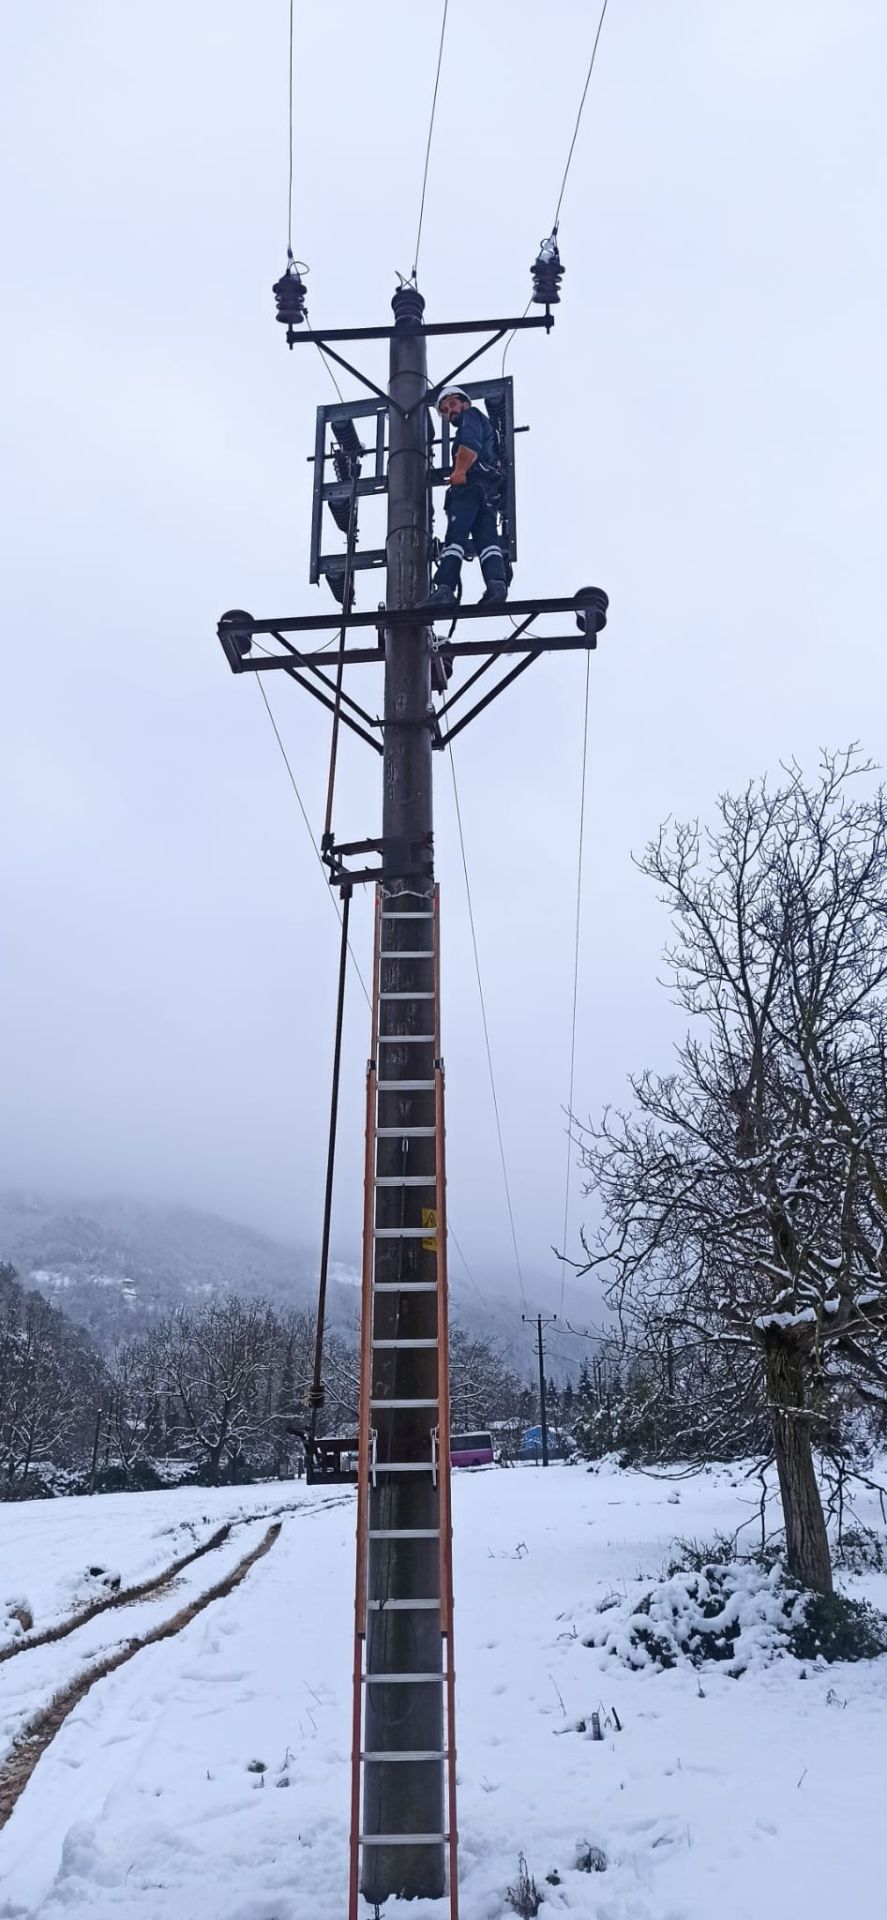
(740, 1615)
(861, 1550)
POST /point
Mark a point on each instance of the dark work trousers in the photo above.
(470, 511)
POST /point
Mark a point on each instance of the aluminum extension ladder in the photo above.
(403, 1795)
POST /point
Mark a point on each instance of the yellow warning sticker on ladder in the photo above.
(429, 1219)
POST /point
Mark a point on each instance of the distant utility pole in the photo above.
(95, 1450)
(543, 1422)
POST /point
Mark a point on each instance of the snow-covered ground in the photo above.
(760, 1796)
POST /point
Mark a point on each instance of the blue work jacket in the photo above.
(475, 431)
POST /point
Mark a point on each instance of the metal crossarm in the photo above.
(237, 633)
(387, 619)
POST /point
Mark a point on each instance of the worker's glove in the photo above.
(463, 461)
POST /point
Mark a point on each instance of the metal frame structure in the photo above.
(333, 422)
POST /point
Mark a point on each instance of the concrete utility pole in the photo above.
(543, 1421)
(404, 1833)
(405, 1798)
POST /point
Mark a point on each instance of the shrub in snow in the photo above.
(861, 1550)
(693, 1556)
(141, 1477)
(832, 1627)
(740, 1615)
(32, 1486)
(524, 1897)
(591, 1859)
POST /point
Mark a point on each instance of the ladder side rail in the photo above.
(445, 1493)
(364, 1422)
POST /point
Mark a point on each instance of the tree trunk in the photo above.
(807, 1548)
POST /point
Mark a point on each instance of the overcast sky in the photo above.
(708, 443)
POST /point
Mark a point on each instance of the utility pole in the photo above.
(95, 1450)
(400, 1799)
(543, 1422)
(403, 1797)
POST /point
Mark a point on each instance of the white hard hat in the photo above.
(453, 393)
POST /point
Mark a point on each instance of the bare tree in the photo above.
(744, 1200)
(483, 1387)
(135, 1424)
(216, 1361)
(48, 1383)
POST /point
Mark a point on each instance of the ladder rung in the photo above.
(404, 1533)
(405, 1286)
(407, 953)
(402, 1839)
(403, 1679)
(406, 1039)
(405, 1086)
(405, 1466)
(425, 994)
(406, 1180)
(408, 916)
(405, 1133)
(404, 1233)
(400, 1405)
(395, 1345)
(435, 1753)
(402, 1606)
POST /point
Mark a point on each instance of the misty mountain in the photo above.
(114, 1265)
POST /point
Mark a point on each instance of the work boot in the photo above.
(441, 596)
(493, 570)
(443, 593)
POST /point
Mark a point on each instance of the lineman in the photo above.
(470, 502)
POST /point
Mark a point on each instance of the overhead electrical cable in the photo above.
(338, 912)
(569, 1166)
(310, 831)
(289, 211)
(557, 211)
(326, 363)
(289, 204)
(474, 1281)
(563, 184)
(489, 1051)
(443, 29)
(512, 334)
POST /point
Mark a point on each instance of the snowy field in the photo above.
(761, 1796)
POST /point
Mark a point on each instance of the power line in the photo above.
(289, 222)
(557, 213)
(575, 976)
(351, 954)
(327, 365)
(289, 208)
(443, 29)
(483, 1009)
(310, 832)
(474, 1281)
(512, 334)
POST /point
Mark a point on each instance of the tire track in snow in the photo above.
(124, 1597)
(143, 1589)
(41, 1730)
